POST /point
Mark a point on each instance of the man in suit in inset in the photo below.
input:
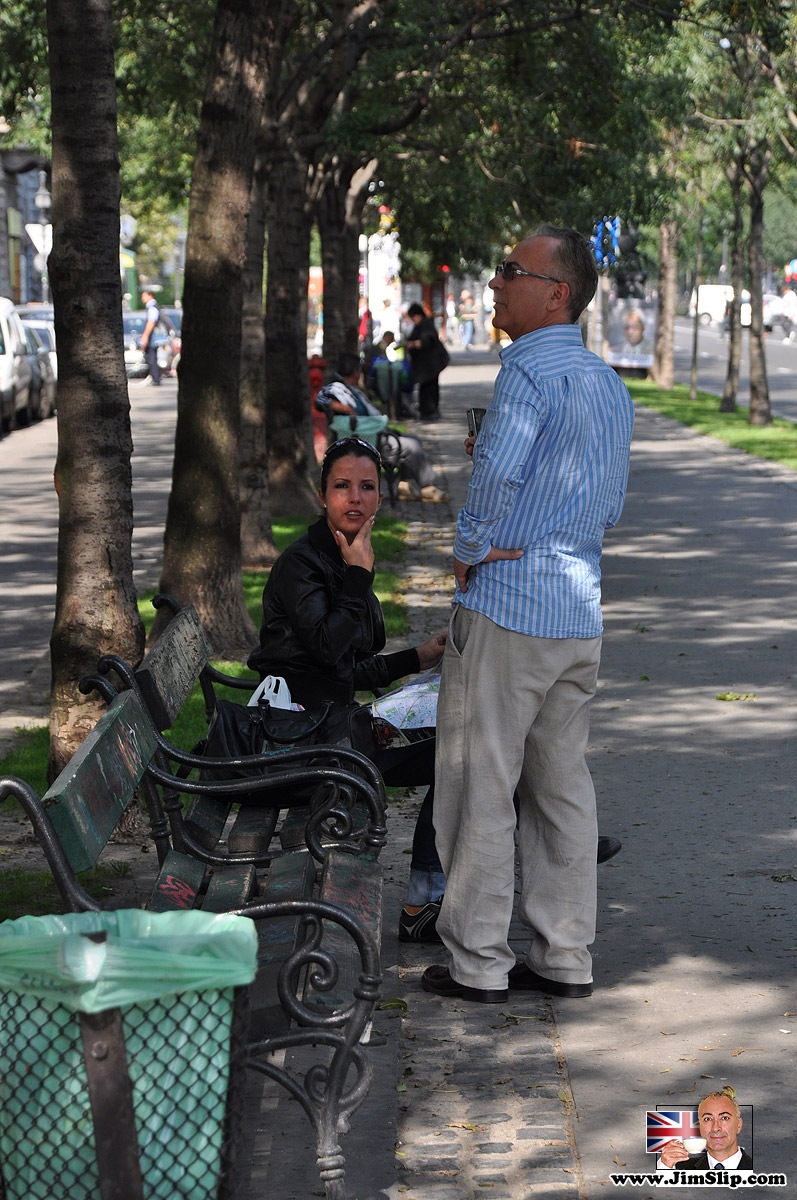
(719, 1122)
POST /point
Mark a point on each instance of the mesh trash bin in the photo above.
(173, 984)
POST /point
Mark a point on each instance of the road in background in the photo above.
(781, 359)
(29, 540)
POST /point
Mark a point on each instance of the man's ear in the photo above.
(560, 296)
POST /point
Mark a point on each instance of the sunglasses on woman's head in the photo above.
(354, 441)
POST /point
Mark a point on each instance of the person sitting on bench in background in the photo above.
(344, 397)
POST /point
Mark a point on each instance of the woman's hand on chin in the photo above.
(358, 552)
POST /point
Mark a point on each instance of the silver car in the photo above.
(16, 376)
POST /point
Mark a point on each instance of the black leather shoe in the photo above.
(438, 979)
(608, 847)
(523, 979)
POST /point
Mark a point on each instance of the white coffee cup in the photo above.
(694, 1145)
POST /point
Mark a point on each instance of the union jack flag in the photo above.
(664, 1126)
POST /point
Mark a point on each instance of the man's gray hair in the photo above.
(574, 262)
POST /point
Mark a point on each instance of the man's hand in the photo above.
(495, 554)
(674, 1152)
(431, 651)
(470, 442)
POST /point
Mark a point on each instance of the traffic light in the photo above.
(629, 275)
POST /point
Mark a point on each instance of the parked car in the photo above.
(43, 382)
(165, 335)
(42, 318)
(709, 302)
(15, 372)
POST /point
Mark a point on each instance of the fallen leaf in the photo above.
(466, 1125)
(395, 1002)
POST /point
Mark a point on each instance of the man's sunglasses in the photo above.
(509, 271)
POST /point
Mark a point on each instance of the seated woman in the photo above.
(344, 397)
(323, 632)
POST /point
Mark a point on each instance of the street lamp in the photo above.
(43, 201)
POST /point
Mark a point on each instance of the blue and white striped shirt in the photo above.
(550, 469)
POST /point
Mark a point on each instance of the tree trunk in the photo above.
(202, 544)
(339, 216)
(760, 408)
(730, 390)
(289, 433)
(257, 541)
(96, 609)
(663, 359)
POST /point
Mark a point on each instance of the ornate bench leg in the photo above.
(332, 1090)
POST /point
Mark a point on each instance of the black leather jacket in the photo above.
(322, 625)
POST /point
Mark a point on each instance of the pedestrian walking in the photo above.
(148, 338)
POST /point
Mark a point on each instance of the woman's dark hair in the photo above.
(349, 445)
(416, 310)
(574, 262)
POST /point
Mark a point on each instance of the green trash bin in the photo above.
(170, 982)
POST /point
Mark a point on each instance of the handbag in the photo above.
(240, 730)
(439, 356)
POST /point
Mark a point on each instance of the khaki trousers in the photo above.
(513, 716)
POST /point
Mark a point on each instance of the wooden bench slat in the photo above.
(230, 887)
(87, 800)
(206, 819)
(290, 878)
(354, 883)
(178, 884)
(253, 830)
(169, 671)
(291, 832)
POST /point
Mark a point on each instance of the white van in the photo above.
(15, 370)
(709, 301)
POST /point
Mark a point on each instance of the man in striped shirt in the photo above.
(550, 468)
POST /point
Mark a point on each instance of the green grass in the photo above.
(34, 893)
(776, 442)
(28, 760)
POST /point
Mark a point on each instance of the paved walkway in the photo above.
(693, 754)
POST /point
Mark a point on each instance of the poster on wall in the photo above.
(631, 333)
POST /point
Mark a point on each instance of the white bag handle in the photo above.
(274, 689)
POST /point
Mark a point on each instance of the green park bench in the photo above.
(318, 959)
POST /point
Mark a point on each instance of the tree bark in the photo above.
(257, 541)
(202, 544)
(730, 390)
(339, 217)
(663, 359)
(760, 408)
(96, 608)
(289, 433)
